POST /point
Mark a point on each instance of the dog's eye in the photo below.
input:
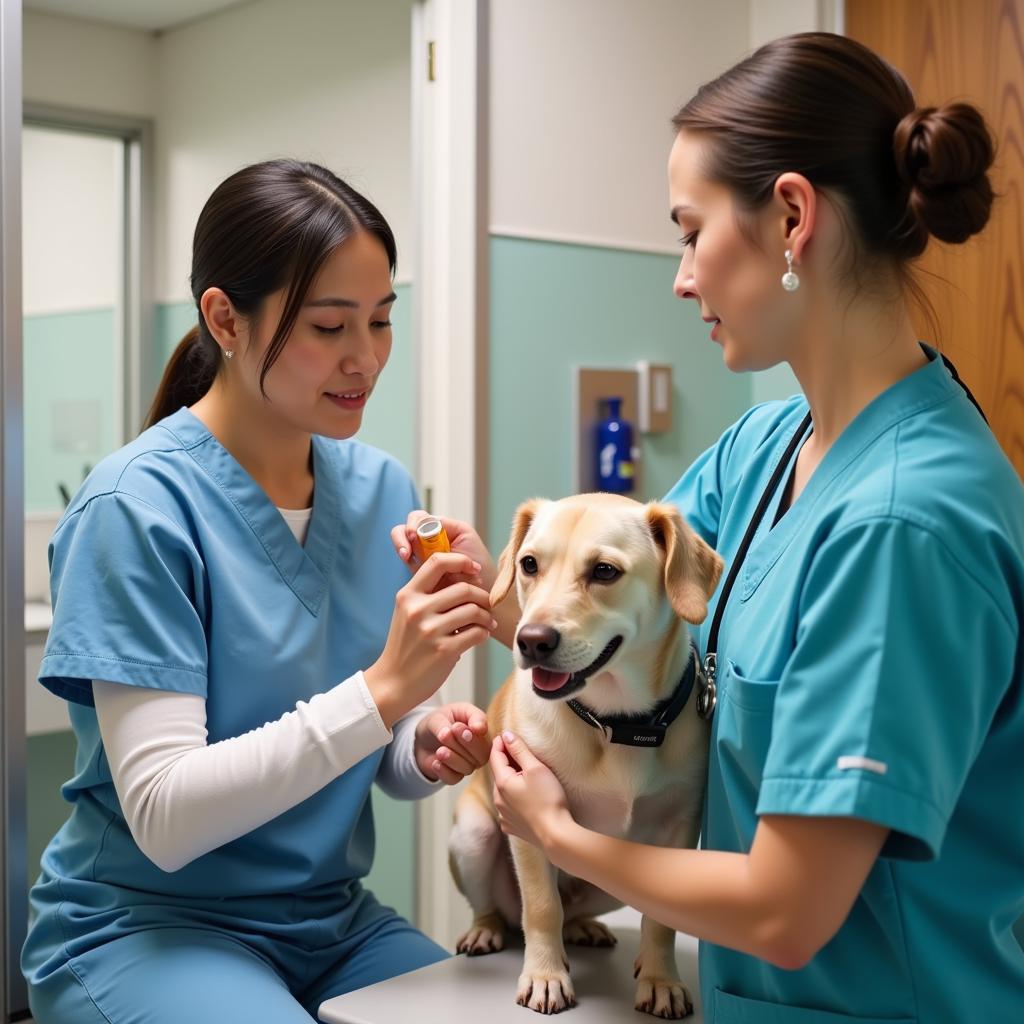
(606, 573)
(528, 564)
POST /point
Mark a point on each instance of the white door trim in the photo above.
(450, 134)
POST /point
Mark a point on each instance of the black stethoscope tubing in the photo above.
(707, 691)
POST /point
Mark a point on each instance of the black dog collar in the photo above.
(648, 729)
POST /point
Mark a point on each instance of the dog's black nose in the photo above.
(537, 642)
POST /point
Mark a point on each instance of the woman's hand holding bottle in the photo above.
(432, 627)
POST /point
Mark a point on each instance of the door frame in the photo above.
(450, 77)
(13, 869)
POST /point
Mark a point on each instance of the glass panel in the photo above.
(72, 212)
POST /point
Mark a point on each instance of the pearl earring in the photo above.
(228, 354)
(789, 280)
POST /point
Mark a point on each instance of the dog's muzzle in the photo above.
(552, 685)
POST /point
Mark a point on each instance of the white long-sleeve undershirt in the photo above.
(183, 797)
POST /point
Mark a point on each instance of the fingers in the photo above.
(465, 732)
(456, 762)
(518, 751)
(465, 640)
(457, 595)
(501, 767)
(444, 773)
(429, 576)
(470, 715)
(463, 616)
(403, 544)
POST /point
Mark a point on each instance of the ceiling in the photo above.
(150, 15)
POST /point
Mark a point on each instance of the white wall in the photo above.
(582, 94)
(582, 97)
(83, 64)
(326, 80)
(770, 19)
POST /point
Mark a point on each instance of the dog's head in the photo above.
(603, 582)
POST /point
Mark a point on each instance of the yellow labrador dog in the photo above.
(604, 694)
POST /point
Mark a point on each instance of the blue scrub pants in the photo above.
(201, 975)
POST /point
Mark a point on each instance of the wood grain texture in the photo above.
(973, 51)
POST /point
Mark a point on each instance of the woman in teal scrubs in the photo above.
(243, 653)
(863, 842)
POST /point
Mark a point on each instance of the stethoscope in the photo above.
(707, 690)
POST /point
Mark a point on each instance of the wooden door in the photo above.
(971, 50)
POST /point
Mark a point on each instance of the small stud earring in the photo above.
(228, 354)
(789, 280)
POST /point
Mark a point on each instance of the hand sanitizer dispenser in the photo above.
(614, 450)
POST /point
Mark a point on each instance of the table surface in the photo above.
(484, 987)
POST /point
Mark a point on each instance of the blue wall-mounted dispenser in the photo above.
(614, 450)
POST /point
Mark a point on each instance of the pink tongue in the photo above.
(545, 680)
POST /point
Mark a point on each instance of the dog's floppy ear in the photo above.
(521, 522)
(692, 568)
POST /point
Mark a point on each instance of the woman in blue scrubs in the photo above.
(863, 842)
(243, 653)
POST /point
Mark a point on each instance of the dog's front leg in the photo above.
(659, 989)
(544, 985)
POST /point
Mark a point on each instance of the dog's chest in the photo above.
(627, 796)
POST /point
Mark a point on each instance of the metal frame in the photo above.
(13, 905)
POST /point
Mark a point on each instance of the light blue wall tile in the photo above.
(50, 762)
(557, 306)
(393, 876)
(69, 363)
(776, 383)
(171, 322)
(389, 421)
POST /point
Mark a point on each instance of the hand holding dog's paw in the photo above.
(451, 742)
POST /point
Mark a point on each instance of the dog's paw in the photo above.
(662, 996)
(546, 991)
(487, 935)
(585, 931)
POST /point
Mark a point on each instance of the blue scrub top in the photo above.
(172, 569)
(871, 666)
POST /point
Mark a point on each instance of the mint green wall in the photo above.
(50, 763)
(556, 306)
(171, 322)
(771, 385)
(68, 358)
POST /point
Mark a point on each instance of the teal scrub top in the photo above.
(870, 665)
(171, 569)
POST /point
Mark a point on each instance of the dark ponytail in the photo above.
(187, 377)
(832, 110)
(269, 226)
